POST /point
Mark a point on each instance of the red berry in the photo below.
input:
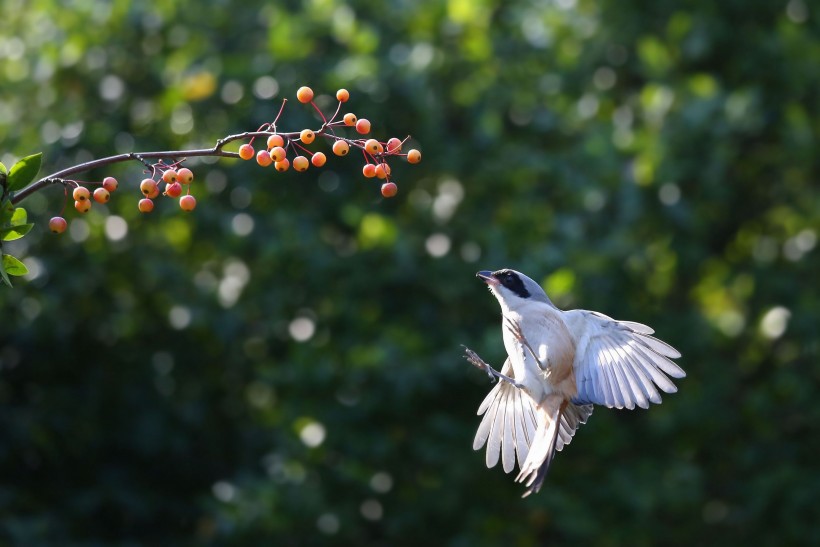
(350, 119)
(369, 170)
(173, 190)
(342, 95)
(278, 153)
(341, 148)
(318, 159)
(372, 145)
(414, 156)
(300, 163)
(185, 176)
(101, 195)
(263, 158)
(57, 225)
(169, 176)
(304, 94)
(149, 188)
(81, 193)
(83, 206)
(363, 126)
(246, 151)
(389, 189)
(307, 136)
(110, 184)
(381, 172)
(187, 202)
(146, 205)
(282, 165)
(393, 146)
(275, 140)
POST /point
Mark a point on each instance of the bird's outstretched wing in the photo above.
(618, 363)
(510, 423)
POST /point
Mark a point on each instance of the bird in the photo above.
(560, 363)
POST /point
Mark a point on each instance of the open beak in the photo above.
(487, 277)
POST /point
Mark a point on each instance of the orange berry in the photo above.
(145, 205)
(169, 176)
(304, 94)
(282, 165)
(373, 146)
(369, 170)
(363, 126)
(185, 176)
(83, 206)
(81, 193)
(278, 153)
(173, 190)
(110, 184)
(307, 136)
(149, 188)
(263, 158)
(389, 189)
(341, 148)
(57, 225)
(275, 140)
(187, 202)
(342, 95)
(300, 163)
(350, 119)
(414, 156)
(393, 146)
(101, 195)
(381, 172)
(318, 159)
(246, 151)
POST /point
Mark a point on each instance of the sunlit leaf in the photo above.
(13, 266)
(24, 171)
(15, 232)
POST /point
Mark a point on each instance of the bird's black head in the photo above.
(507, 278)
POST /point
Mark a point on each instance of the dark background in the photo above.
(655, 161)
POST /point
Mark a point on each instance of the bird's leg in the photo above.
(515, 329)
(478, 362)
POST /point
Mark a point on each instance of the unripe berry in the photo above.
(187, 202)
(81, 193)
(318, 159)
(363, 126)
(381, 172)
(304, 94)
(278, 153)
(369, 170)
(185, 176)
(307, 136)
(246, 151)
(173, 190)
(145, 205)
(83, 206)
(413, 156)
(110, 184)
(389, 189)
(275, 140)
(341, 148)
(342, 95)
(101, 195)
(350, 119)
(57, 225)
(373, 146)
(263, 158)
(300, 163)
(282, 165)
(393, 146)
(149, 188)
(169, 176)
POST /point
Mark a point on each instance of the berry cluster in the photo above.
(174, 181)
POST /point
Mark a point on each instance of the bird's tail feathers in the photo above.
(543, 447)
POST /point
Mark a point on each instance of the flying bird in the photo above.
(559, 364)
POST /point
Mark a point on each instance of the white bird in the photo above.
(560, 364)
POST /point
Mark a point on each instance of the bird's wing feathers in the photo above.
(618, 363)
(511, 420)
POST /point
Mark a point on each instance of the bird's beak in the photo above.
(487, 277)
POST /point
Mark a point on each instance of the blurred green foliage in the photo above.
(284, 365)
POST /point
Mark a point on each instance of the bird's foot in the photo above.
(478, 362)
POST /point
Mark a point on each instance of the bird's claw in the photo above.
(478, 362)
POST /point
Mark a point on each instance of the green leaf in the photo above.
(3, 273)
(18, 217)
(15, 232)
(3, 170)
(13, 266)
(6, 212)
(24, 171)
